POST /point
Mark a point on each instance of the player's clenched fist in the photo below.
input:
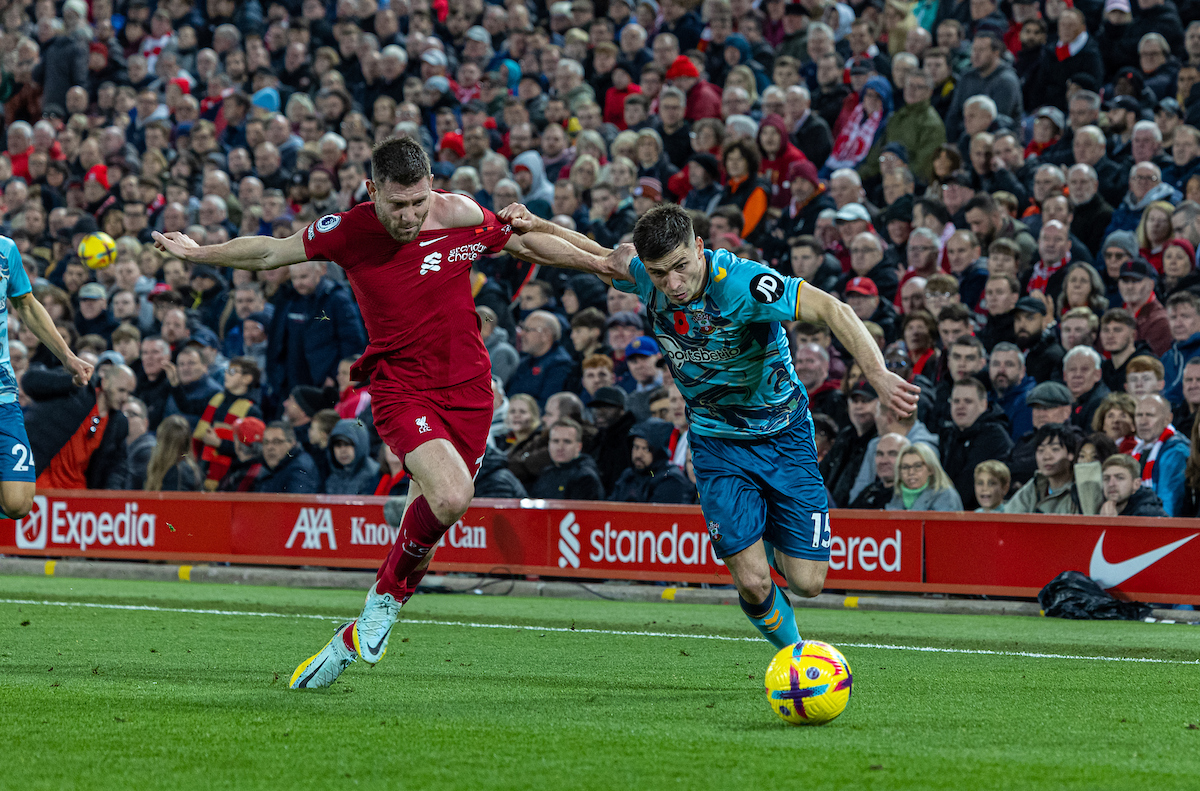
(518, 216)
(618, 260)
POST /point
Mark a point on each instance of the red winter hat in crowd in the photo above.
(454, 142)
(98, 173)
(803, 169)
(682, 67)
(648, 188)
(1184, 245)
(862, 285)
(98, 46)
(182, 84)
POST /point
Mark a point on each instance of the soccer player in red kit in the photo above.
(407, 255)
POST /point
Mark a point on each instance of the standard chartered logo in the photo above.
(568, 542)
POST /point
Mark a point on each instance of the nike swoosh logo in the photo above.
(1110, 575)
(304, 681)
(374, 649)
(431, 241)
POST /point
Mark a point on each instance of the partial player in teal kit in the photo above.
(717, 319)
(18, 473)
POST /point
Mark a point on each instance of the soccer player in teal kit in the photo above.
(717, 319)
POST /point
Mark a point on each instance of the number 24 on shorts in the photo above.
(821, 531)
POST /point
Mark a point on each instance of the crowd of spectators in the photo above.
(1008, 194)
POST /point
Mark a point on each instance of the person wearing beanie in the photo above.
(302, 403)
(808, 198)
(1119, 248)
(703, 98)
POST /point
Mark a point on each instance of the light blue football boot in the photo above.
(374, 625)
(323, 668)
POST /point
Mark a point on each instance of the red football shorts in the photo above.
(407, 419)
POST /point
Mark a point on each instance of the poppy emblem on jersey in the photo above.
(432, 263)
(328, 223)
(423, 425)
(766, 288)
(681, 323)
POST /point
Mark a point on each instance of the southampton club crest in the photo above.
(714, 531)
(703, 322)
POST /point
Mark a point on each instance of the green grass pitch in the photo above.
(141, 698)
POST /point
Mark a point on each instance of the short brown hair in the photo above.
(126, 332)
(1005, 247)
(1120, 316)
(1007, 278)
(588, 317)
(662, 229)
(566, 422)
(997, 469)
(400, 160)
(974, 384)
(247, 365)
(1122, 460)
(942, 283)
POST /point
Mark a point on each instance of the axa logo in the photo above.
(1110, 575)
(33, 530)
(432, 263)
(312, 524)
(568, 542)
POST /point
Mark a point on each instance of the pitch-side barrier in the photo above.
(953, 553)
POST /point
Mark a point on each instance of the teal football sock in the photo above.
(774, 618)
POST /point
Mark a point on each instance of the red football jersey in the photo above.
(415, 297)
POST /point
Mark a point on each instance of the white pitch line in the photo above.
(614, 632)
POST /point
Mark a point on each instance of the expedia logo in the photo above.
(49, 524)
(468, 252)
(31, 531)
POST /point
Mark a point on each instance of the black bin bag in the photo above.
(1075, 595)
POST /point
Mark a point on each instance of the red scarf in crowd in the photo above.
(1042, 274)
(1155, 449)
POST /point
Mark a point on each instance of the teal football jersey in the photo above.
(727, 351)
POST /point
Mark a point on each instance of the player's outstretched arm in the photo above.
(245, 252)
(819, 307)
(524, 221)
(34, 316)
(547, 249)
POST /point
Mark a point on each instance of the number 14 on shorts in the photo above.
(822, 534)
